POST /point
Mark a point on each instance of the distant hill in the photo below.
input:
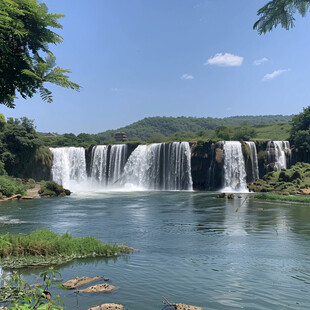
(167, 126)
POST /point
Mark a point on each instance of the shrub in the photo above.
(10, 187)
(52, 189)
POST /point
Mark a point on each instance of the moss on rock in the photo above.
(52, 189)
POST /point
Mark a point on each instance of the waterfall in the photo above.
(279, 154)
(160, 166)
(118, 157)
(234, 167)
(69, 165)
(98, 164)
(254, 161)
(107, 163)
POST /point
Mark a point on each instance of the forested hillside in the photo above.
(154, 129)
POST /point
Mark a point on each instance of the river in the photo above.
(194, 248)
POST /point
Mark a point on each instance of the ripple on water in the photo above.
(8, 220)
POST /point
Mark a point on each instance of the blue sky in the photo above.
(140, 58)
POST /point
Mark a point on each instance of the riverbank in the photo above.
(295, 180)
(43, 247)
(30, 190)
(294, 198)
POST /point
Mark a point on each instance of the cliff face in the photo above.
(40, 166)
(208, 162)
(207, 165)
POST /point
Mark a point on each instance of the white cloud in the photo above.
(186, 76)
(259, 62)
(274, 74)
(225, 60)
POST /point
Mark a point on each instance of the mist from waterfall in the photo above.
(234, 167)
(254, 161)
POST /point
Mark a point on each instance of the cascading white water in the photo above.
(254, 161)
(99, 160)
(234, 167)
(69, 165)
(107, 163)
(117, 161)
(160, 166)
(279, 153)
(157, 166)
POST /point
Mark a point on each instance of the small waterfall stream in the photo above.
(279, 154)
(99, 160)
(234, 167)
(117, 161)
(254, 161)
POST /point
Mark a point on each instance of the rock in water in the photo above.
(230, 196)
(74, 283)
(186, 307)
(108, 307)
(99, 288)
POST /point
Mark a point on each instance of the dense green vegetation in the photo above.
(24, 296)
(289, 181)
(304, 199)
(300, 135)
(164, 129)
(10, 187)
(22, 153)
(25, 32)
(42, 245)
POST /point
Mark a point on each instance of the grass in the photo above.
(43, 246)
(304, 199)
(277, 131)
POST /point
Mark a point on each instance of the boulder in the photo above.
(186, 307)
(74, 283)
(230, 196)
(108, 307)
(99, 288)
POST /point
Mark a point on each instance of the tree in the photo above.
(280, 12)
(20, 142)
(25, 31)
(300, 135)
(46, 71)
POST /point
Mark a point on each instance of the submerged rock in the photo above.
(221, 195)
(108, 307)
(99, 288)
(74, 283)
(230, 196)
